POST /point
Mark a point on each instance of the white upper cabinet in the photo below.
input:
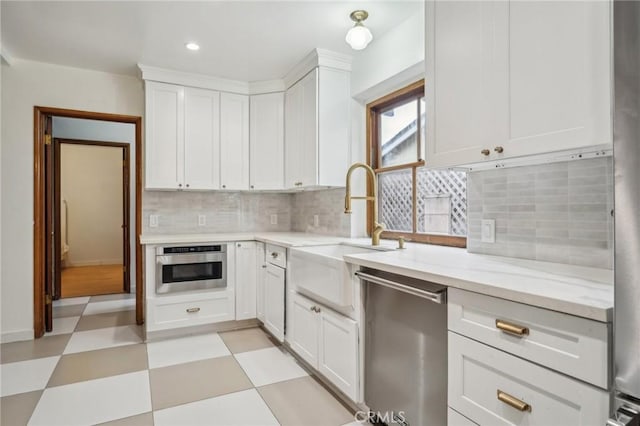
(164, 116)
(266, 146)
(182, 140)
(234, 141)
(201, 139)
(510, 79)
(317, 129)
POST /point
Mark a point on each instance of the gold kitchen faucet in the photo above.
(377, 227)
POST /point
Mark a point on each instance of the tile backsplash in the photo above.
(328, 205)
(246, 212)
(225, 211)
(558, 212)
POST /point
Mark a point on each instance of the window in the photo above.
(414, 202)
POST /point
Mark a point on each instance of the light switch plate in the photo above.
(202, 220)
(488, 231)
(153, 221)
(316, 220)
(274, 219)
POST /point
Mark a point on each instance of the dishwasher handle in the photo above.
(439, 297)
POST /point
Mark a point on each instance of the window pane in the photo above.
(395, 201)
(442, 202)
(398, 142)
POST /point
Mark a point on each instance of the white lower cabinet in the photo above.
(261, 265)
(327, 341)
(492, 387)
(456, 419)
(246, 280)
(515, 364)
(274, 300)
(186, 310)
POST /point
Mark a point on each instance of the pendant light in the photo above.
(359, 36)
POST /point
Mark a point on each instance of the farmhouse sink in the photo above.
(321, 273)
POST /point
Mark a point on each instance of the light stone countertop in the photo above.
(577, 290)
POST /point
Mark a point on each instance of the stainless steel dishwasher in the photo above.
(405, 375)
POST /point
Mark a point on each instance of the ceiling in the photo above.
(241, 40)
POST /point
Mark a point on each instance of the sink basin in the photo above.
(337, 251)
(321, 273)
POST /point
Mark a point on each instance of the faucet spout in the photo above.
(377, 227)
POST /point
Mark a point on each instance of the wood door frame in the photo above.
(39, 214)
(126, 189)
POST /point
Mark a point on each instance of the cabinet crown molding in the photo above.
(315, 58)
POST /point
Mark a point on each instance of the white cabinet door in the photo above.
(164, 142)
(201, 139)
(266, 147)
(466, 80)
(261, 266)
(274, 300)
(338, 357)
(516, 78)
(560, 90)
(234, 141)
(478, 373)
(294, 144)
(309, 142)
(246, 280)
(305, 329)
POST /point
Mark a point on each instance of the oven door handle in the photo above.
(180, 259)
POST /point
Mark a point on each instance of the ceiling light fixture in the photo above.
(359, 36)
(192, 46)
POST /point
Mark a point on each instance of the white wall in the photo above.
(26, 84)
(387, 64)
(91, 185)
(391, 61)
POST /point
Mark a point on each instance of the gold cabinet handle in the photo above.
(513, 401)
(485, 152)
(499, 149)
(516, 330)
(193, 310)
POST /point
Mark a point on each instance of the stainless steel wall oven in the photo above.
(189, 268)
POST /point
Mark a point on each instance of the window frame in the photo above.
(374, 109)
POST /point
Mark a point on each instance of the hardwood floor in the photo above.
(92, 280)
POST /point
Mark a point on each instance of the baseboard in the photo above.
(200, 329)
(16, 336)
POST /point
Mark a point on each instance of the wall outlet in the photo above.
(274, 219)
(202, 220)
(316, 220)
(153, 221)
(488, 231)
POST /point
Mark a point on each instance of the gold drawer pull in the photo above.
(513, 401)
(193, 310)
(516, 330)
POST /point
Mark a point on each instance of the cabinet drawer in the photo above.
(456, 419)
(576, 346)
(479, 374)
(277, 255)
(169, 314)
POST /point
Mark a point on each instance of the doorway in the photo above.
(53, 210)
(91, 198)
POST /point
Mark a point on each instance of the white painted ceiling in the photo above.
(241, 40)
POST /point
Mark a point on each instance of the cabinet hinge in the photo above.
(47, 139)
(47, 299)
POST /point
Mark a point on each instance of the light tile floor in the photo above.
(94, 368)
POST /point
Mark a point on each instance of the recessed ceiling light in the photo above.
(192, 46)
